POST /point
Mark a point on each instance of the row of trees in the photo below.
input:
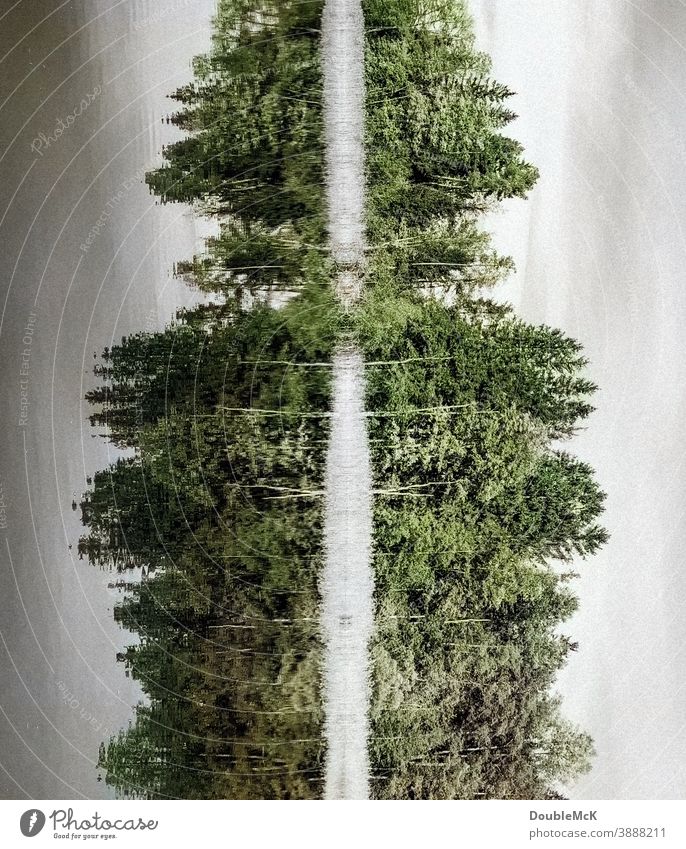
(215, 522)
(219, 511)
(473, 506)
(476, 514)
(436, 155)
(252, 153)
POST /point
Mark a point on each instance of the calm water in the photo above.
(86, 257)
(347, 581)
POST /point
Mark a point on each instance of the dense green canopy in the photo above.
(216, 515)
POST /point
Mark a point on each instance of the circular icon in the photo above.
(31, 822)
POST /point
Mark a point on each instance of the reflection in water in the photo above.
(219, 510)
(221, 504)
(210, 509)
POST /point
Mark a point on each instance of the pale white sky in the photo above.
(601, 253)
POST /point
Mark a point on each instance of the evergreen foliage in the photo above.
(478, 511)
(475, 508)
